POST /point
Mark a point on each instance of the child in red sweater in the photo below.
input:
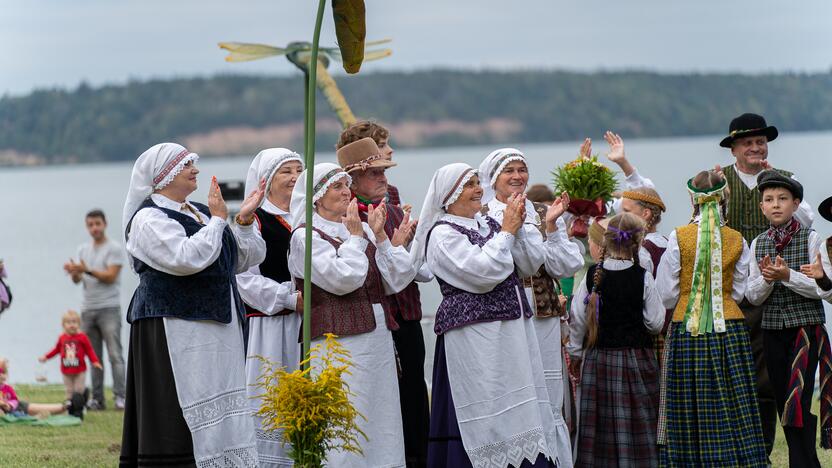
(73, 346)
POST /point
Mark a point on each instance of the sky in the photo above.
(61, 43)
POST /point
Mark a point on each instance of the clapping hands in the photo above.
(774, 271)
(252, 202)
(403, 234)
(352, 221)
(515, 213)
(813, 270)
(556, 210)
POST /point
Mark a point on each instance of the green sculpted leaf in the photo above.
(350, 29)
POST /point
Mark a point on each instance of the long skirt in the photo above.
(710, 407)
(493, 382)
(445, 448)
(186, 403)
(276, 339)
(549, 340)
(373, 380)
(619, 408)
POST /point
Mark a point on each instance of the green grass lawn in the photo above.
(97, 442)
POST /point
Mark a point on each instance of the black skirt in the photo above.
(155, 432)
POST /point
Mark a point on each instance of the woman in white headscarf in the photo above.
(272, 303)
(186, 396)
(505, 173)
(490, 406)
(354, 267)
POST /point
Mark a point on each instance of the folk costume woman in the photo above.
(504, 173)
(490, 405)
(708, 411)
(354, 268)
(268, 290)
(186, 396)
(615, 315)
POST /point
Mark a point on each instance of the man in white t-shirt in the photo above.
(98, 267)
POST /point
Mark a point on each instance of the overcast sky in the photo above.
(59, 43)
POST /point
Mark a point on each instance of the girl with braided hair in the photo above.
(614, 318)
(708, 414)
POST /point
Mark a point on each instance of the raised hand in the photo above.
(407, 207)
(556, 210)
(216, 204)
(813, 270)
(403, 234)
(718, 170)
(376, 217)
(616, 143)
(585, 151)
(252, 202)
(514, 213)
(352, 221)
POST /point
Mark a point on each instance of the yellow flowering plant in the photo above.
(311, 406)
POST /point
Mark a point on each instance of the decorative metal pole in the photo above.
(309, 153)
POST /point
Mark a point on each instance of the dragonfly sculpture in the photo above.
(300, 54)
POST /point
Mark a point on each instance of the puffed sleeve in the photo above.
(563, 257)
(654, 311)
(528, 250)
(161, 243)
(251, 248)
(338, 271)
(394, 263)
(265, 294)
(475, 269)
(667, 275)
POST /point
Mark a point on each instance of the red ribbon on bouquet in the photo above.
(584, 209)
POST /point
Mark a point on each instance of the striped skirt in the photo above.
(619, 407)
(710, 403)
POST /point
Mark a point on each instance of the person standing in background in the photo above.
(98, 268)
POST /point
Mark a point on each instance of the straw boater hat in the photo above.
(748, 125)
(645, 197)
(362, 155)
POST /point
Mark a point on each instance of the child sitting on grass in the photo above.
(73, 346)
(11, 405)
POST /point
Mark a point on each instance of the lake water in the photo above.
(42, 220)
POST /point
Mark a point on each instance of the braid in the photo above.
(636, 248)
(593, 298)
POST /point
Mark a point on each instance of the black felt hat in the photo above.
(748, 125)
(825, 209)
(769, 179)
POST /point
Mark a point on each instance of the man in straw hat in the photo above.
(748, 138)
(367, 165)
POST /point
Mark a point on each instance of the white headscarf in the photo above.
(492, 166)
(266, 164)
(323, 175)
(153, 171)
(444, 189)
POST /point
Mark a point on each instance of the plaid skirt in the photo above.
(619, 407)
(710, 406)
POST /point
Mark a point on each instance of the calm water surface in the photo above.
(42, 220)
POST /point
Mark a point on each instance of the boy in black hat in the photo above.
(793, 315)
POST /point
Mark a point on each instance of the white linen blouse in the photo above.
(161, 243)
(343, 270)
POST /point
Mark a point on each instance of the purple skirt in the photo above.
(445, 447)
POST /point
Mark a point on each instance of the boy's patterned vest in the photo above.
(352, 313)
(731, 253)
(744, 213)
(784, 308)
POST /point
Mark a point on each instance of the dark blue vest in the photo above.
(202, 296)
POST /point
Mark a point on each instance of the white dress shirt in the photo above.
(759, 289)
(654, 311)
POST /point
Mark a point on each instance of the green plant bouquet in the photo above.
(312, 409)
(590, 186)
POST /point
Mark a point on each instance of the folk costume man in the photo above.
(366, 164)
(748, 138)
(186, 396)
(381, 136)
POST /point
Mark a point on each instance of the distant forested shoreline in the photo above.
(238, 114)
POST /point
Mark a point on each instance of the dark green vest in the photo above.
(744, 213)
(785, 308)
